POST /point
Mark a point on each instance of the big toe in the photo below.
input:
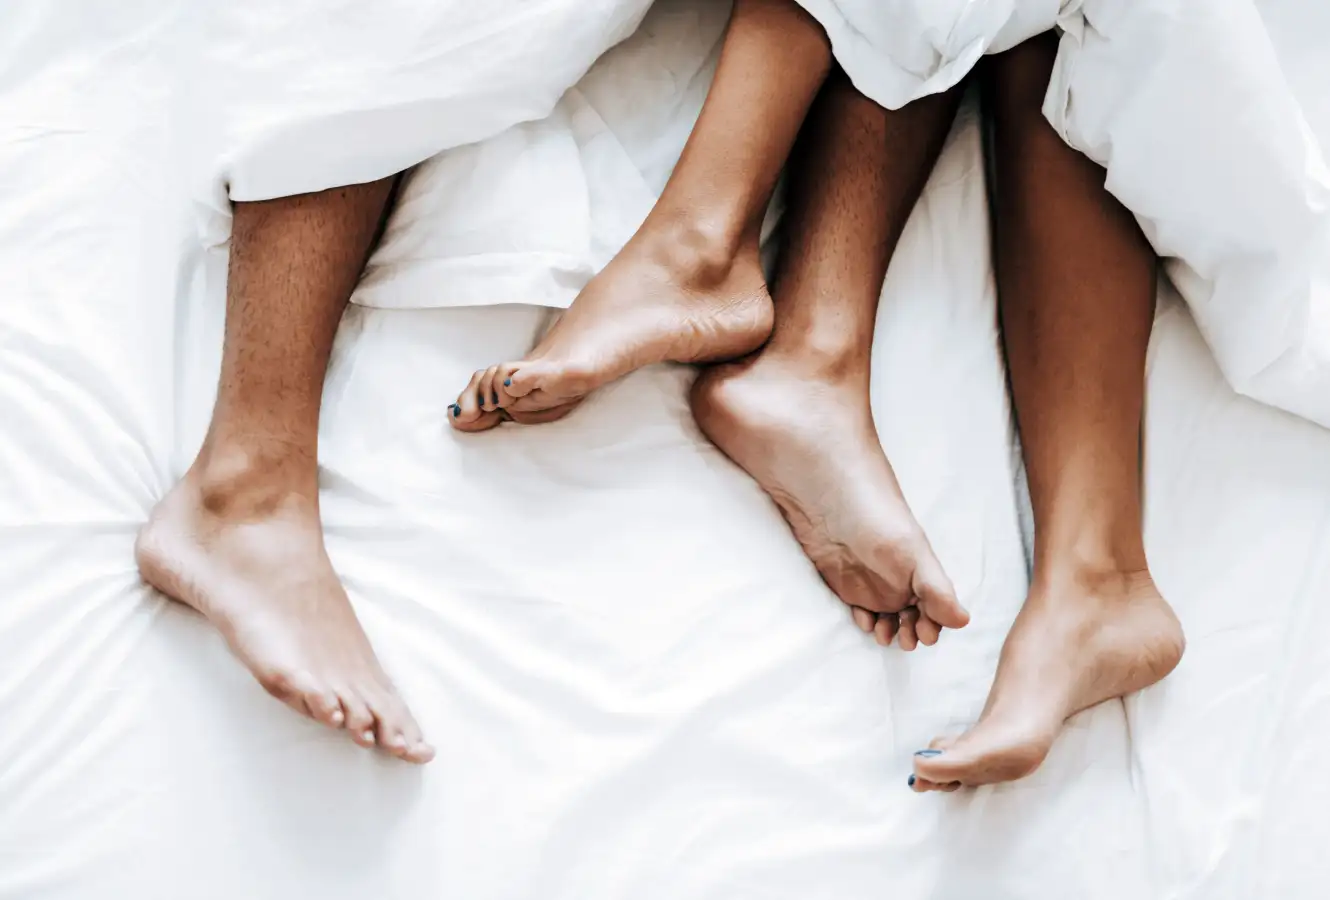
(983, 755)
(397, 731)
(937, 595)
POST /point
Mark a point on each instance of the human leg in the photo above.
(1076, 284)
(239, 537)
(688, 287)
(796, 415)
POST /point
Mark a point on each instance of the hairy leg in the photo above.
(688, 287)
(239, 537)
(1076, 283)
(796, 416)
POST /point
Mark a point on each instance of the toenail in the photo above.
(368, 737)
(507, 382)
(928, 753)
(457, 410)
(496, 397)
(337, 717)
(910, 783)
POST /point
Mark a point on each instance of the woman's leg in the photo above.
(688, 286)
(1076, 284)
(239, 538)
(796, 416)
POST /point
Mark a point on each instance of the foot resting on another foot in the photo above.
(255, 566)
(807, 437)
(655, 302)
(1077, 642)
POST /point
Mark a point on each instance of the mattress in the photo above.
(644, 689)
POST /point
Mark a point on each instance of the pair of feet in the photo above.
(801, 425)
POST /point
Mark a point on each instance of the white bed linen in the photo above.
(1211, 118)
(638, 686)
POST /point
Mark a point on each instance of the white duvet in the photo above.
(643, 690)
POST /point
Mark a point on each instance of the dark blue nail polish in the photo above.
(507, 382)
(910, 783)
(928, 753)
(457, 410)
(495, 401)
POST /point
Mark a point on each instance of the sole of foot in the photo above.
(645, 308)
(809, 440)
(1078, 642)
(265, 582)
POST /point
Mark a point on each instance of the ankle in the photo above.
(696, 250)
(1096, 570)
(235, 480)
(829, 355)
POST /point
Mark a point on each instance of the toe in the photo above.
(886, 628)
(926, 630)
(326, 708)
(866, 621)
(466, 414)
(295, 688)
(906, 637)
(396, 729)
(359, 719)
(487, 390)
(503, 383)
(937, 596)
(524, 377)
(541, 416)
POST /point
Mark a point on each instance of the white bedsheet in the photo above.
(644, 690)
(1211, 118)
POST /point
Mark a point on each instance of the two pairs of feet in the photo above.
(248, 553)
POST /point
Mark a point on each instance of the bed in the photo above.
(643, 690)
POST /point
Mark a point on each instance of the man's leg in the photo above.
(796, 416)
(239, 538)
(1076, 284)
(688, 287)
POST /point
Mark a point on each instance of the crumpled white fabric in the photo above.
(1194, 109)
(896, 51)
(1210, 116)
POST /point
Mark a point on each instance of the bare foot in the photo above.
(255, 566)
(807, 437)
(1077, 642)
(657, 301)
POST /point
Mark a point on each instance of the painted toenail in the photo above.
(368, 737)
(928, 753)
(507, 382)
(910, 783)
(457, 410)
(496, 398)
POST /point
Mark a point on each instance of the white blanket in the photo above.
(1211, 118)
(655, 697)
